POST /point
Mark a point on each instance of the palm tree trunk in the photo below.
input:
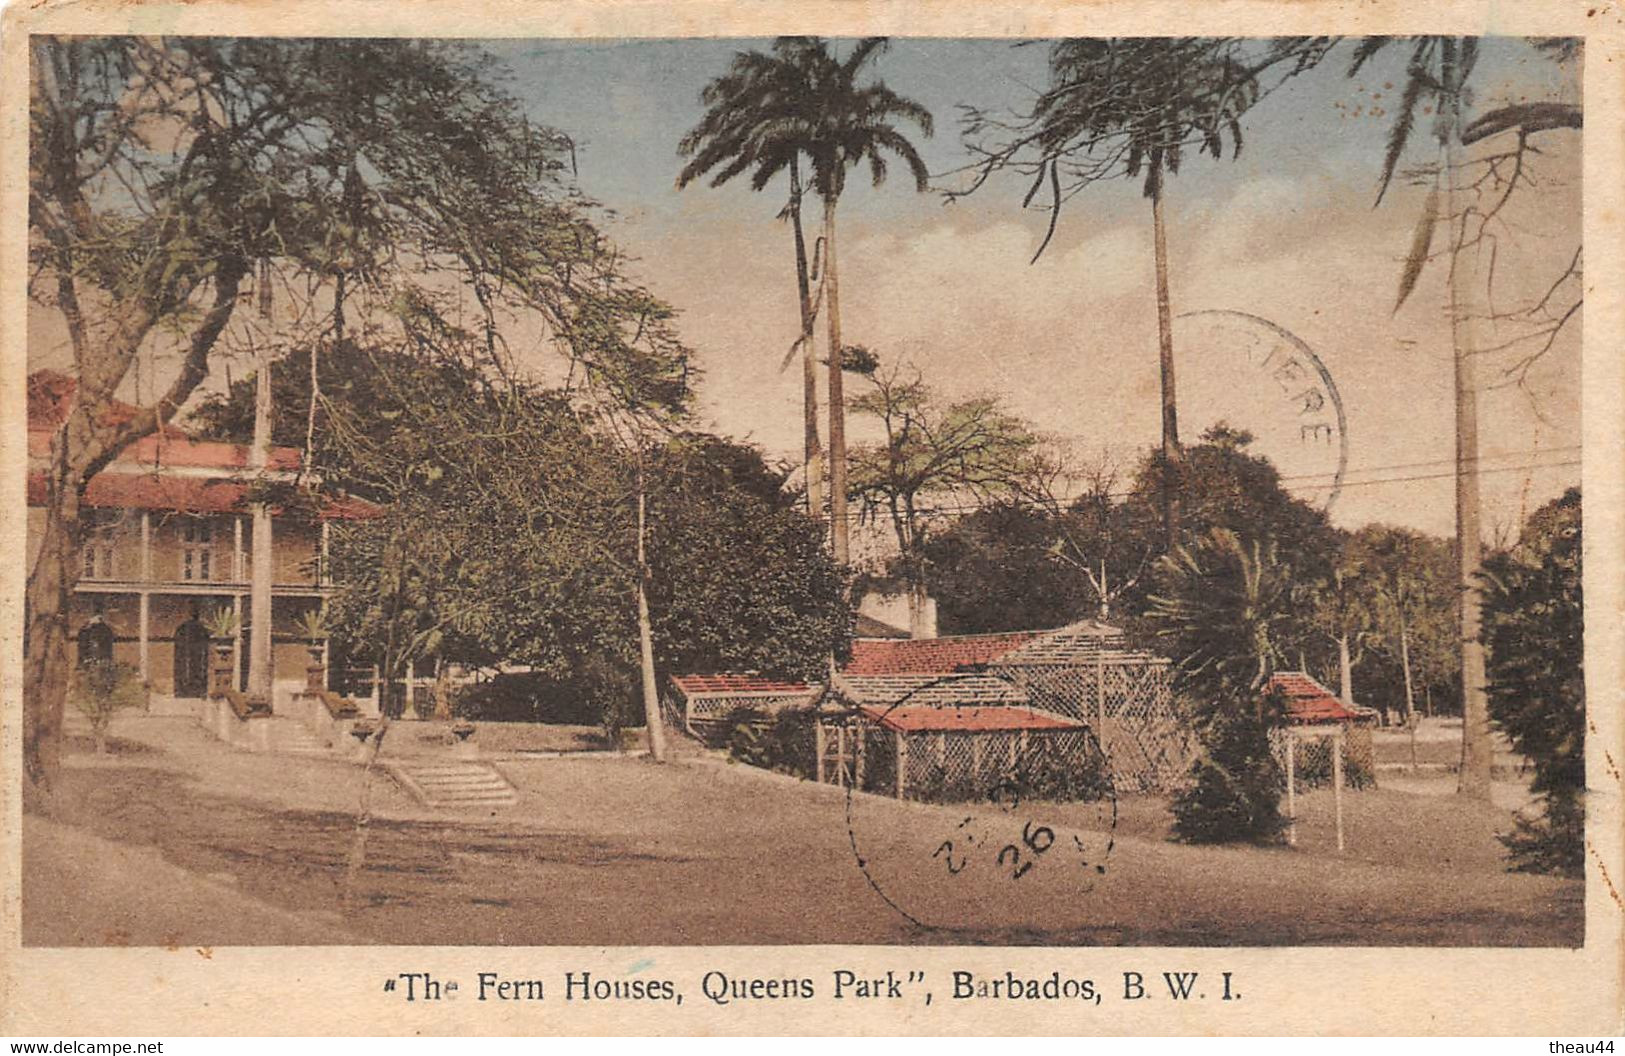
(653, 730)
(1405, 665)
(1172, 457)
(812, 449)
(1474, 778)
(1411, 722)
(837, 400)
(1345, 672)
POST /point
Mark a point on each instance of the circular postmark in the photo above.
(993, 818)
(1260, 376)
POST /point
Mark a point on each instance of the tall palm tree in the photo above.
(1437, 70)
(1127, 106)
(804, 100)
(758, 120)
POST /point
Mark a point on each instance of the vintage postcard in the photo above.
(812, 517)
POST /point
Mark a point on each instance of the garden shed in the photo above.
(952, 738)
(701, 704)
(1087, 671)
(1324, 741)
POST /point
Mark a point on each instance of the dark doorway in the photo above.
(95, 642)
(191, 659)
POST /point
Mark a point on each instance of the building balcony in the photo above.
(203, 587)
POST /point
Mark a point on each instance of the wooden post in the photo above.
(1100, 699)
(902, 760)
(840, 755)
(818, 750)
(1291, 789)
(1337, 784)
(861, 736)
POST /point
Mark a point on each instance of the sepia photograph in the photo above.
(893, 491)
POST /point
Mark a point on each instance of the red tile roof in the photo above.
(728, 685)
(158, 491)
(1308, 702)
(925, 719)
(957, 688)
(926, 656)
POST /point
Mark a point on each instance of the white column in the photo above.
(237, 639)
(237, 549)
(145, 674)
(146, 575)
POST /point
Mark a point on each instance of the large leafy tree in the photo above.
(1226, 485)
(1534, 628)
(934, 453)
(1410, 583)
(508, 535)
(741, 578)
(168, 178)
(995, 569)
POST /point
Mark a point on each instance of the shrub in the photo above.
(101, 688)
(1216, 610)
(782, 741)
(1534, 632)
(1236, 784)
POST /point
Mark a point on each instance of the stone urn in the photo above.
(361, 729)
(463, 745)
(221, 668)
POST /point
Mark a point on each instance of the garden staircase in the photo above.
(454, 785)
(292, 737)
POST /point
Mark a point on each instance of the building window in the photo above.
(197, 546)
(98, 561)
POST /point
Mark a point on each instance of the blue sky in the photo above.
(1287, 231)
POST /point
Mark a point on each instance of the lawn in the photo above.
(608, 851)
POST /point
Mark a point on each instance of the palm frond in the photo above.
(1421, 243)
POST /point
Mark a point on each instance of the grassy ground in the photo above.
(606, 851)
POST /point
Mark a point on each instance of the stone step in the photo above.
(292, 737)
(453, 785)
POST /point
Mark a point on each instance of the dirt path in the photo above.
(622, 851)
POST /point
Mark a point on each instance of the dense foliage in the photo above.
(1534, 628)
(506, 534)
(1217, 609)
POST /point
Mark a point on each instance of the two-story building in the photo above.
(167, 544)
